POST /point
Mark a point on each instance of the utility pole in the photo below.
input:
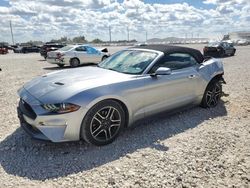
(146, 36)
(110, 34)
(11, 33)
(128, 33)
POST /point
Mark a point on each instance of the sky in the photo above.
(44, 20)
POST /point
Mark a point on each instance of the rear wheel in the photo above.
(103, 123)
(74, 62)
(212, 94)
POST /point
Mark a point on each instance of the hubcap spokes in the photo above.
(105, 124)
(213, 96)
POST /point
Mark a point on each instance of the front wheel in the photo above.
(212, 94)
(103, 123)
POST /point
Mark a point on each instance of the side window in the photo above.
(80, 49)
(91, 50)
(175, 61)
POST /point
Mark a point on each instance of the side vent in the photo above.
(59, 83)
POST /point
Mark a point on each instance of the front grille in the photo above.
(26, 109)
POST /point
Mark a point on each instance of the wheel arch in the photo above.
(104, 56)
(218, 77)
(74, 58)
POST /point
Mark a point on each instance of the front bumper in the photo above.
(32, 131)
(41, 125)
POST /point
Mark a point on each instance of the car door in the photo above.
(81, 53)
(164, 92)
(94, 56)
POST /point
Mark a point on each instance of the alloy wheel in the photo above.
(105, 124)
(213, 95)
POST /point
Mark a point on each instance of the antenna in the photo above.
(11, 33)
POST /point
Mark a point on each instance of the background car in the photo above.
(3, 50)
(219, 49)
(74, 55)
(26, 49)
(48, 47)
(96, 103)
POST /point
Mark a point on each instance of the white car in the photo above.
(74, 55)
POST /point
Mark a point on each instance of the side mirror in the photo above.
(162, 71)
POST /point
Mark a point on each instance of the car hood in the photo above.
(69, 82)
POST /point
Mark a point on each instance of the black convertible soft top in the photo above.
(167, 49)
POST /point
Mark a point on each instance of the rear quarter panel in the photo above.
(208, 70)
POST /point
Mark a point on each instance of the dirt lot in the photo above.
(193, 148)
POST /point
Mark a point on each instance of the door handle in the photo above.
(191, 76)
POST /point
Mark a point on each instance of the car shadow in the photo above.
(38, 160)
(68, 67)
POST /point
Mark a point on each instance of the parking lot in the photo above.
(193, 148)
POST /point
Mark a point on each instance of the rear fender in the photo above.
(211, 69)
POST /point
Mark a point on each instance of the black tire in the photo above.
(212, 94)
(104, 57)
(103, 123)
(74, 62)
(60, 65)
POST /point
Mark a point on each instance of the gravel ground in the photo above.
(193, 148)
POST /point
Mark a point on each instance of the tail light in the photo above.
(205, 49)
(59, 55)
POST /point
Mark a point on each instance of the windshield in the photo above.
(129, 61)
(66, 48)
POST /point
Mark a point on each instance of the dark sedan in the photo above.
(48, 48)
(26, 49)
(219, 49)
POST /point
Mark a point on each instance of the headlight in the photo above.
(61, 107)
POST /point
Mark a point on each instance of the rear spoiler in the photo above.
(103, 50)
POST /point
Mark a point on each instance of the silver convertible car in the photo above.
(96, 103)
